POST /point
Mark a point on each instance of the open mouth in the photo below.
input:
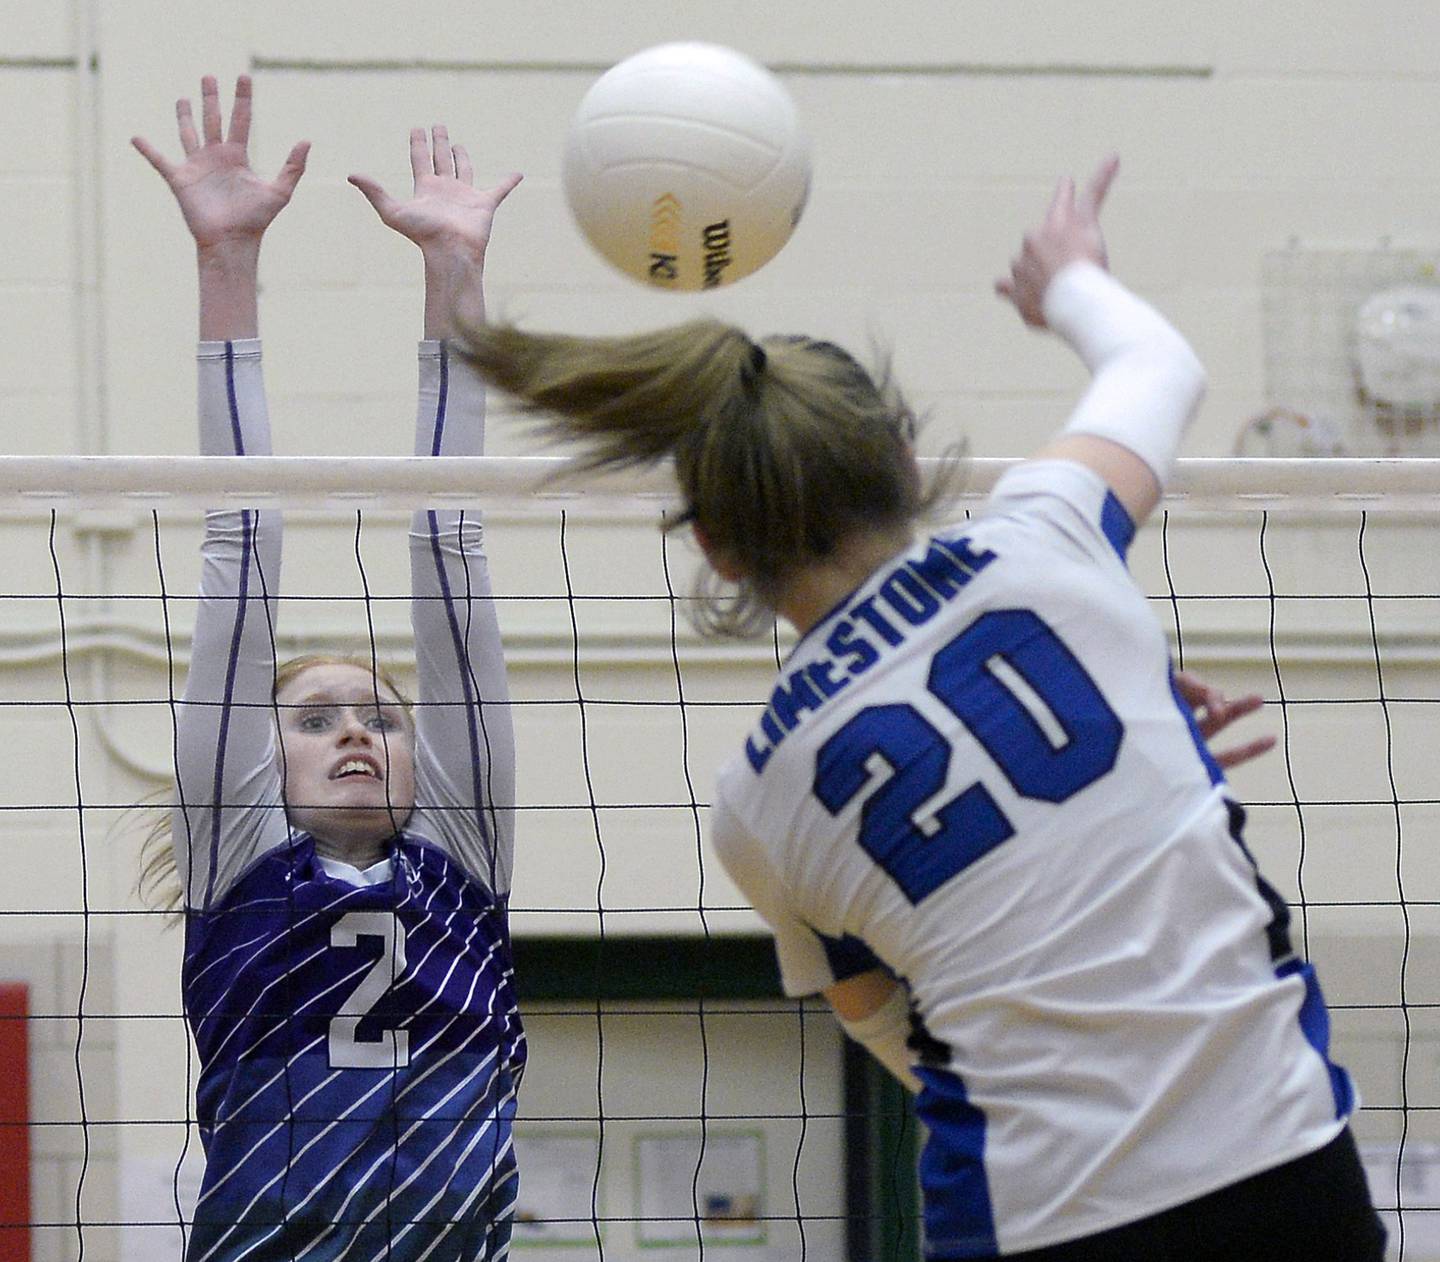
(352, 767)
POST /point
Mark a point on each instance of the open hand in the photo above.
(1214, 712)
(447, 211)
(222, 198)
(1071, 231)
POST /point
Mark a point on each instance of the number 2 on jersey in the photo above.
(1023, 695)
(392, 1049)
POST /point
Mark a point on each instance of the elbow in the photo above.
(231, 532)
(455, 532)
(1177, 375)
(1192, 379)
(1194, 382)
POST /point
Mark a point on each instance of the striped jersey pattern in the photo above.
(334, 1125)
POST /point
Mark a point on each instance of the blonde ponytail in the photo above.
(631, 400)
(782, 448)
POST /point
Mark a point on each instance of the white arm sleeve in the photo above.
(465, 739)
(1147, 382)
(884, 1033)
(229, 808)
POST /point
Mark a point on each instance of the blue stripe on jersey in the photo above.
(1117, 524)
(331, 1139)
(847, 955)
(959, 1218)
(1315, 1022)
(1212, 768)
(450, 1160)
(1314, 1016)
(217, 816)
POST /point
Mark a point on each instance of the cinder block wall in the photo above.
(938, 129)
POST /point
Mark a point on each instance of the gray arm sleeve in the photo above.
(465, 738)
(229, 808)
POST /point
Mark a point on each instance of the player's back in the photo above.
(976, 772)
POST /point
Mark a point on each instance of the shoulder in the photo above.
(737, 824)
(729, 831)
(427, 864)
(1068, 496)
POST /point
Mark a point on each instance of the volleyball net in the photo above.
(675, 1103)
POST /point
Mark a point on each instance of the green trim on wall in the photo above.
(730, 967)
(894, 1174)
(881, 1159)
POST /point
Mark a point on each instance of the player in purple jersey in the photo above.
(344, 859)
(977, 811)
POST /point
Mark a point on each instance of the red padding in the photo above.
(14, 1122)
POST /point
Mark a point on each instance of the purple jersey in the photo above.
(358, 1035)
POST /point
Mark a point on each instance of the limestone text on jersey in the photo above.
(909, 595)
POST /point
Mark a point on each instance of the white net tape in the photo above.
(513, 482)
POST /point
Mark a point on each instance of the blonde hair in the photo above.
(158, 883)
(782, 448)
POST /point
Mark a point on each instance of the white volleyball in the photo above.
(686, 166)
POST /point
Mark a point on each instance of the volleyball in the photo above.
(686, 167)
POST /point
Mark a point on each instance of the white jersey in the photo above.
(975, 772)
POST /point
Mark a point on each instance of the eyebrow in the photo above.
(315, 700)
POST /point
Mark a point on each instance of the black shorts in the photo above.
(1314, 1209)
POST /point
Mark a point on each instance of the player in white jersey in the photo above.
(344, 863)
(976, 811)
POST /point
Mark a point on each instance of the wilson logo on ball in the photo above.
(683, 134)
(667, 217)
(716, 238)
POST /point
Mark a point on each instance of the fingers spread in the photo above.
(1242, 706)
(1100, 183)
(506, 186)
(210, 109)
(240, 114)
(1193, 689)
(464, 170)
(1062, 202)
(1218, 713)
(444, 159)
(294, 168)
(374, 194)
(1244, 753)
(186, 118)
(152, 155)
(420, 163)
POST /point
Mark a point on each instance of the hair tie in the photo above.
(758, 358)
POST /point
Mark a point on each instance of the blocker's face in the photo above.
(349, 763)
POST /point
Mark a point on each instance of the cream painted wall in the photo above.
(938, 129)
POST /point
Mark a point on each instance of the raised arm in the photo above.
(1146, 383)
(228, 779)
(226, 205)
(465, 747)
(449, 219)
